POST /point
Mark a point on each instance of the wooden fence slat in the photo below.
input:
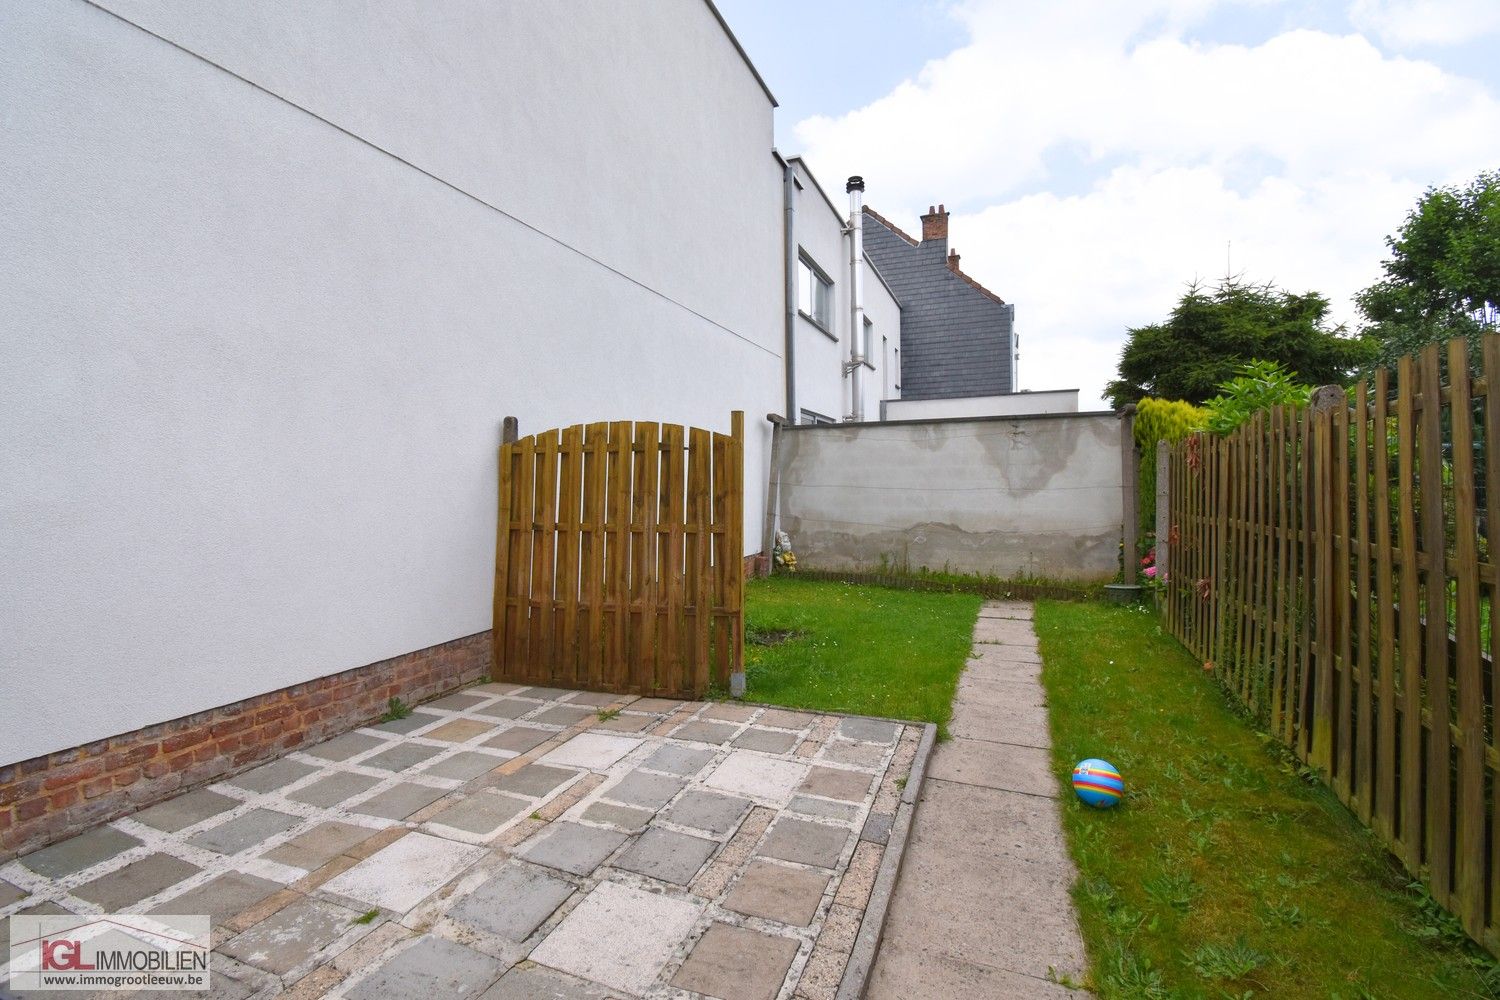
(735, 543)
(500, 617)
(570, 490)
(617, 568)
(1468, 885)
(1385, 599)
(1413, 825)
(544, 563)
(1435, 625)
(1490, 353)
(1339, 580)
(523, 551)
(595, 493)
(1307, 583)
(1363, 727)
(675, 663)
(700, 573)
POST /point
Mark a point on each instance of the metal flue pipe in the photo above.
(856, 190)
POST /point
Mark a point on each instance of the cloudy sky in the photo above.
(1098, 155)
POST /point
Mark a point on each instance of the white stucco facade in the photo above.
(824, 390)
(274, 274)
(1009, 404)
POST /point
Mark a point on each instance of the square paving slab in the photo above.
(433, 967)
(595, 751)
(400, 757)
(535, 780)
(244, 831)
(519, 739)
(269, 777)
(676, 759)
(464, 765)
(332, 790)
(399, 801)
(400, 876)
(805, 842)
(80, 852)
(619, 936)
(766, 778)
(185, 810)
(778, 892)
(482, 814)
(667, 855)
(135, 882)
(291, 936)
(572, 847)
(222, 897)
(345, 746)
(718, 814)
(736, 963)
(513, 903)
(649, 791)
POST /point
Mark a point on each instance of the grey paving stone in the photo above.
(562, 715)
(571, 847)
(543, 694)
(269, 777)
(540, 983)
(456, 702)
(514, 903)
(332, 790)
(221, 898)
(460, 730)
(411, 723)
(319, 845)
(136, 881)
(535, 780)
(833, 783)
(776, 892)
(869, 730)
(765, 740)
(821, 807)
(345, 746)
(47, 908)
(185, 810)
(657, 706)
(706, 732)
(866, 755)
(877, 828)
(519, 739)
(290, 936)
(401, 757)
(686, 761)
(782, 719)
(627, 722)
(596, 699)
(626, 817)
(482, 813)
(651, 791)
(505, 708)
(433, 967)
(736, 963)
(701, 810)
(11, 894)
(244, 831)
(80, 852)
(399, 801)
(497, 687)
(464, 765)
(728, 711)
(805, 842)
(667, 855)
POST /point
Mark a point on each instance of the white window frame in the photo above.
(814, 294)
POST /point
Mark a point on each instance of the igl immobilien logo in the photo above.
(109, 952)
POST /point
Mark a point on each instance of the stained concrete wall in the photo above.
(1035, 496)
(1007, 404)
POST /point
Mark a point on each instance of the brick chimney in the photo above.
(935, 224)
(953, 260)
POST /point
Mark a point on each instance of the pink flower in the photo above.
(1151, 572)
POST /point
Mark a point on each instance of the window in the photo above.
(867, 349)
(814, 293)
(813, 417)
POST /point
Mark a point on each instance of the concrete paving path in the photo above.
(981, 907)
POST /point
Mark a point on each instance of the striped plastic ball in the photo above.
(1097, 783)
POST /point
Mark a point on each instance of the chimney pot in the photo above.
(935, 224)
(953, 260)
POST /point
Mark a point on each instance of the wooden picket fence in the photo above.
(619, 558)
(1335, 565)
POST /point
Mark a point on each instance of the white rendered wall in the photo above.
(254, 365)
(821, 383)
(1009, 404)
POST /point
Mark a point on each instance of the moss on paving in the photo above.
(1228, 870)
(833, 647)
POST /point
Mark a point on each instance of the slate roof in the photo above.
(955, 333)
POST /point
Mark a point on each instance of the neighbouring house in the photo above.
(959, 340)
(273, 275)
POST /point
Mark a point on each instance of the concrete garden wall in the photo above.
(1035, 496)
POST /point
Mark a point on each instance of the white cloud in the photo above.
(1097, 156)
(1407, 23)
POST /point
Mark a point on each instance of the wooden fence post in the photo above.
(508, 430)
(735, 547)
(1163, 513)
(1129, 484)
(1324, 399)
(773, 489)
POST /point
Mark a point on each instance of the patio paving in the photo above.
(505, 841)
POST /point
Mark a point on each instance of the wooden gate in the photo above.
(619, 558)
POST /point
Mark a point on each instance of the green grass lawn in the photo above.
(1227, 871)
(867, 650)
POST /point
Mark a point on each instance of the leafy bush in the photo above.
(1259, 385)
(1168, 420)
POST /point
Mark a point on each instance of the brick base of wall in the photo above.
(757, 565)
(48, 798)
